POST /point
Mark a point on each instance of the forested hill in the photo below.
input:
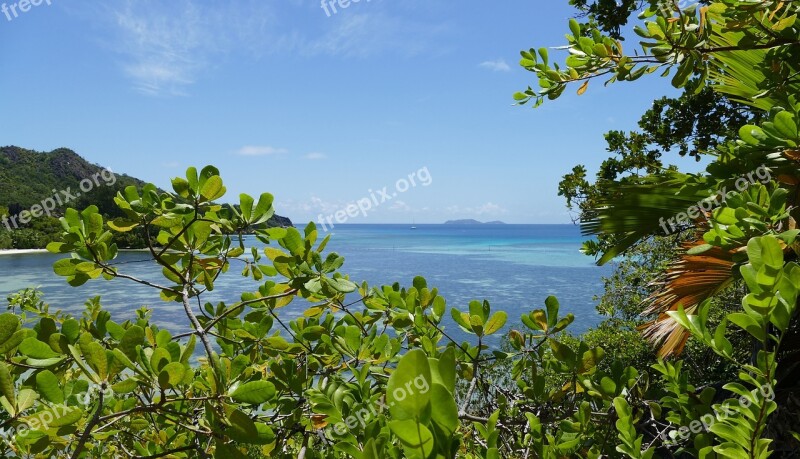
(57, 179)
(28, 177)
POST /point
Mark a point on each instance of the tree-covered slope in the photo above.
(36, 187)
(28, 177)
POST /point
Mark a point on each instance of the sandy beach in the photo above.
(21, 251)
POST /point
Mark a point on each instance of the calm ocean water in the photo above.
(515, 267)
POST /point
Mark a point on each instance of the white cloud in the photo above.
(316, 156)
(165, 46)
(368, 34)
(314, 204)
(160, 50)
(489, 209)
(498, 65)
(168, 46)
(257, 150)
(399, 205)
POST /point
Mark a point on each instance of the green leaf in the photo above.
(747, 323)
(126, 386)
(254, 392)
(171, 375)
(65, 267)
(95, 356)
(14, 341)
(9, 323)
(563, 352)
(752, 134)
(133, 337)
(213, 188)
(244, 430)
(552, 311)
(447, 369)
(36, 349)
(47, 383)
(407, 392)
(122, 225)
(444, 411)
(71, 328)
(7, 385)
(462, 319)
(495, 323)
(25, 399)
(575, 28)
(785, 124)
(415, 437)
(698, 249)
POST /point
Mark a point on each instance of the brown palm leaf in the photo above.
(688, 282)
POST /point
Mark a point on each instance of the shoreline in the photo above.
(21, 251)
(40, 251)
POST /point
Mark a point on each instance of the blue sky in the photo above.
(319, 109)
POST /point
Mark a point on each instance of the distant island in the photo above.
(470, 221)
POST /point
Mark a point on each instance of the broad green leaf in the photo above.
(447, 369)
(747, 323)
(36, 349)
(126, 386)
(417, 440)
(785, 124)
(7, 385)
(444, 411)
(408, 390)
(8, 325)
(213, 188)
(95, 356)
(133, 337)
(48, 386)
(495, 323)
(25, 399)
(254, 392)
(244, 430)
(171, 375)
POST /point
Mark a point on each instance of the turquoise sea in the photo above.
(515, 267)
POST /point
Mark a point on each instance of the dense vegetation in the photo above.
(372, 372)
(55, 181)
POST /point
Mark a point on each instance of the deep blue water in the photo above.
(515, 267)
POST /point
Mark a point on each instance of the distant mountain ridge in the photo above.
(470, 221)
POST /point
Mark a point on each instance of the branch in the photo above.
(93, 422)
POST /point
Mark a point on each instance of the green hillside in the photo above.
(36, 187)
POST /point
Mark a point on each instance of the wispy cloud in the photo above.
(316, 156)
(498, 65)
(363, 35)
(489, 208)
(165, 46)
(399, 205)
(260, 150)
(160, 50)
